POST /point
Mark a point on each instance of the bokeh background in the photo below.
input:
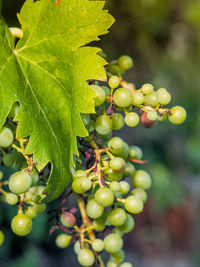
(163, 38)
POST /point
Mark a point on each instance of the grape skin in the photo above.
(21, 224)
(98, 245)
(103, 125)
(118, 121)
(6, 137)
(141, 179)
(125, 62)
(104, 197)
(132, 119)
(86, 257)
(113, 243)
(11, 198)
(63, 240)
(178, 115)
(93, 209)
(123, 97)
(100, 95)
(117, 217)
(133, 205)
(20, 182)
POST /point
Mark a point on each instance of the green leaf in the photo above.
(47, 73)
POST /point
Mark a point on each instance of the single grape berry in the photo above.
(30, 211)
(132, 119)
(11, 198)
(106, 90)
(116, 146)
(111, 263)
(177, 115)
(20, 182)
(128, 225)
(117, 217)
(147, 88)
(138, 98)
(100, 95)
(125, 62)
(139, 193)
(39, 208)
(114, 81)
(129, 170)
(103, 125)
(133, 205)
(1, 238)
(164, 97)
(113, 243)
(34, 177)
(118, 256)
(6, 137)
(115, 186)
(141, 179)
(93, 209)
(98, 245)
(118, 121)
(86, 257)
(104, 197)
(68, 219)
(146, 122)
(117, 164)
(63, 240)
(135, 152)
(81, 185)
(111, 175)
(152, 115)
(126, 264)
(21, 224)
(124, 187)
(123, 97)
(79, 174)
(151, 99)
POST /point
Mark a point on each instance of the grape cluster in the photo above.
(108, 181)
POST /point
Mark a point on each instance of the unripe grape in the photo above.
(30, 211)
(111, 263)
(104, 197)
(21, 224)
(79, 174)
(63, 240)
(98, 245)
(147, 88)
(146, 122)
(123, 97)
(14, 110)
(164, 97)
(152, 115)
(111, 175)
(1, 238)
(86, 257)
(20, 182)
(138, 98)
(103, 125)
(11, 198)
(135, 152)
(93, 209)
(117, 164)
(178, 115)
(68, 219)
(77, 247)
(34, 177)
(125, 62)
(129, 169)
(139, 193)
(151, 100)
(99, 224)
(124, 187)
(118, 121)
(118, 256)
(106, 90)
(117, 217)
(115, 186)
(128, 226)
(114, 81)
(6, 137)
(113, 243)
(133, 205)
(100, 95)
(132, 119)
(81, 185)
(39, 208)
(116, 145)
(126, 264)
(125, 152)
(141, 179)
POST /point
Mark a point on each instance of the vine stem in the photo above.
(16, 32)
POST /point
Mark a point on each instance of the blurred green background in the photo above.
(163, 38)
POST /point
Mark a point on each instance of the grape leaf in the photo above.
(47, 72)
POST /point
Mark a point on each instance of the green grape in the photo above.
(111, 264)
(115, 69)
(1, 175)
(30, 211)
(40, 189)
(178, 115)
(115, 186)
(104, 197)
(129, 170)
(39, 208)
(116, 145)
(6, 137)
(81, 185)
(100, 95)
(139, 193)
(63, 240)
(162, 117)
(21, 224)
(29, 195)
(117, 164)
(86, 257)
(85, 118)
(99, 225)
(147, 88)
(111, 175)
(152, 115)
(141, 179)
(103, 125)
(20, 182)
(118, 121)
(14, 110)
(8, 160)
(124, 187)
(151, 100)
(113, 243)
(132, 119)
(117, 217)
(126, 264)
(34, 177)
(133, 205)
(123, 97)
(77, 247)
(125, 152)
(128, 226)
(135, 152)
(125, 62)
(36, 198)
(98, 245)
(138, 98)
(118, 256)
(164, 97)
(94, 209)
(67, 219)
(114, 81)
(106, 90)
(1, 238)
(11, 198)
(80, 174)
